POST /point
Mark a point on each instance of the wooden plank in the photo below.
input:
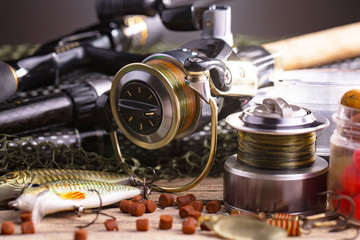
(61, 226)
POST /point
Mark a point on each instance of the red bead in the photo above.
(350, 180)
(356, 159)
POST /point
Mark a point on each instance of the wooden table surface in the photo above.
(61, 226)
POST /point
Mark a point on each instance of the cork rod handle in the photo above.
(318, 48)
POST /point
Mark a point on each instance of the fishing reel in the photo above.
(171, 94)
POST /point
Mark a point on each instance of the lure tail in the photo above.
(13, 204)
(36, 209)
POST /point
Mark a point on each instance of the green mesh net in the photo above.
(18, 153)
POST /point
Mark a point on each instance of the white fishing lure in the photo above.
(12, 183)
(65, 195)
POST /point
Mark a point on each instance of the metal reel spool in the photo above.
(257, 189)
(149, 108)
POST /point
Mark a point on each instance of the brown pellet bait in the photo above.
(165, 222)
(142, 224)
(144, 202)
(189, 226)
(194, 214)
(191, 196)
(166, 200)
(184, 211)
(111, 225)
(125, 206)
(137, 198)
(137, 209)
(213, 206)
(26, 216)
(7, 228)
(81, 234)
(27, 227)
(183, 201)
(150, 205)
(198, 205)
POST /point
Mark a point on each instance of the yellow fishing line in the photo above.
(276, 151)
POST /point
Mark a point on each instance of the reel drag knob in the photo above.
(140, 107)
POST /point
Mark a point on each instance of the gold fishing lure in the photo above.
(11, 184)
(296, 224)
(240, 227)
(65, 195)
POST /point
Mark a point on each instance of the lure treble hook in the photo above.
(79, 210)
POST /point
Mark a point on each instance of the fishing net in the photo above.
(26, 152)
(17, 153)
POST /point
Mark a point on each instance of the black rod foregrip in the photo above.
(74, 105)
(37, 71)
(24, 116)
(97, 45)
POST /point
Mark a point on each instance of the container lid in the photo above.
(314, 86)
(276, 116)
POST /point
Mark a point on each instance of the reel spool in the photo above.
(276, 168)
(152, 104)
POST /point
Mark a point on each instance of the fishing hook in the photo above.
(97, 211)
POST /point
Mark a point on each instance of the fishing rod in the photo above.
(101, 46)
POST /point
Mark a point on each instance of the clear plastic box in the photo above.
(344, 171)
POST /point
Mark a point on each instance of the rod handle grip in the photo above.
(318, 48)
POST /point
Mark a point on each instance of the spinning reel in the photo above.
(172, 94)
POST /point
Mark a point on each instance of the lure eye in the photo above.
(10, 175)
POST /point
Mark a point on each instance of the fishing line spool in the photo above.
(276, 168)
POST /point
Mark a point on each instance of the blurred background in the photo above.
(38, 21)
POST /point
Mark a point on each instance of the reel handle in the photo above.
(199, 65)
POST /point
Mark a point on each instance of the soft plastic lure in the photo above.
(11, 184)
(65, 195)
